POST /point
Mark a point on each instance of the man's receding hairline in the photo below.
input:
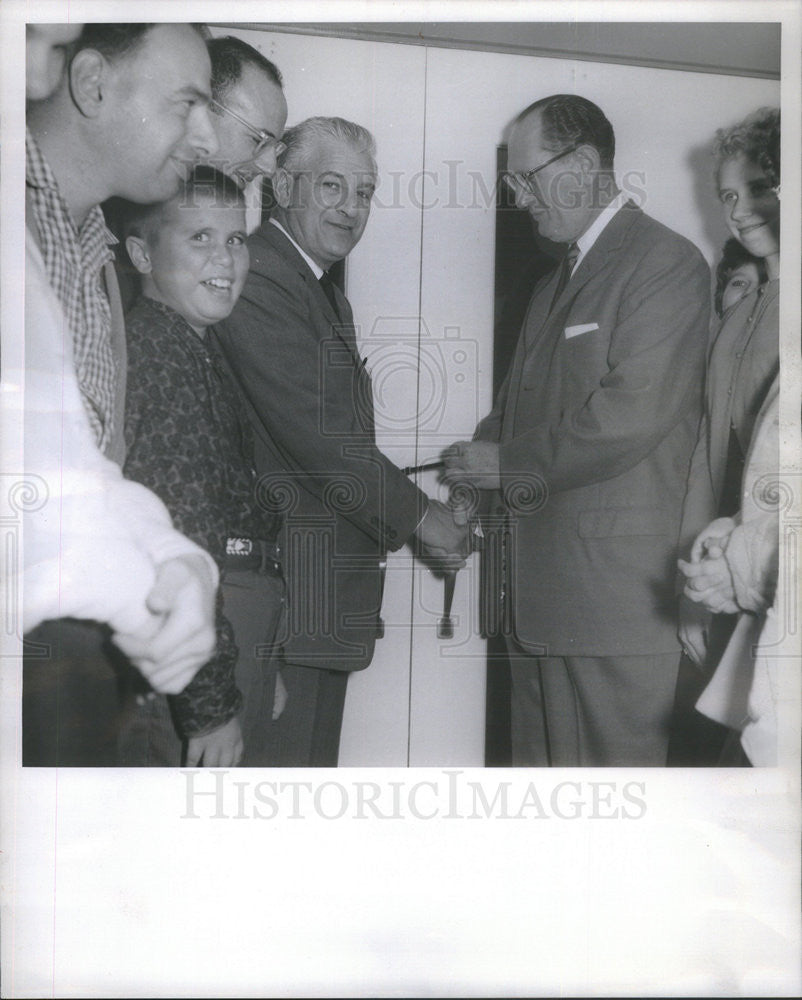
(526, 121)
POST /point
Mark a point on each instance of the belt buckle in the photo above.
(239, 546)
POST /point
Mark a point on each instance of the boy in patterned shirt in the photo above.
(189, 441)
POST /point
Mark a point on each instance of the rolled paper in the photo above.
(410, 469)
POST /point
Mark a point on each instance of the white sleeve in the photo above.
(91, 539)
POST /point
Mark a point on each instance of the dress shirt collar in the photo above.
(316, 268)
(589, 237)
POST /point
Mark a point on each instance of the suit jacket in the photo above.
(596, 422)
(344, 503)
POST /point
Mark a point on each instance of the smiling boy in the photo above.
(186, 440)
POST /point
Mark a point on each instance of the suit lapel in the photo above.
(540, 320)
(542, 330)
(611, 239)
(343, 327)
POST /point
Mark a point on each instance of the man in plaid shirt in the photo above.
(128, 118)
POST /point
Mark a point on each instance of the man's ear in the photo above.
(282, 187)
(87, 74)
(138, 252)
(588, 158)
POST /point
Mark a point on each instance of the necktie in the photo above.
(328, 288)
(566, 267)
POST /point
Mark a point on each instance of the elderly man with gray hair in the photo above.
(291, 345)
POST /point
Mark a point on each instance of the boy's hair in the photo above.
(143, 221)
(733, 256)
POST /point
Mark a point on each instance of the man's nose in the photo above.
(267, 162)
(349, 203)
(201, 134)
(524, 197)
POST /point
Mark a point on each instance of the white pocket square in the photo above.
(574, 331)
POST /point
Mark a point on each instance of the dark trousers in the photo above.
(591, 711)
(71, 695)
(697, 741)
(254, 603)
(308, 733)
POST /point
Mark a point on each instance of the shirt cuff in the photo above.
(426, 511)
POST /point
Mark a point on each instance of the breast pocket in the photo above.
(579, 330)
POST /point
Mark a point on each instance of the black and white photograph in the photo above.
(402, 472)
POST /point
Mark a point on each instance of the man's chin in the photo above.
(182, 169)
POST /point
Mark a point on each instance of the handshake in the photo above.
(444, 533)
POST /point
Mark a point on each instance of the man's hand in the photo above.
(280, 697)
(180, 637)
(445, 541)
(222, 747)
(475, 462)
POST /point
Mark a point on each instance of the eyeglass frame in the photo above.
(524, 180)
(262, 134)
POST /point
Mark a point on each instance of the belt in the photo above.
(254, 554)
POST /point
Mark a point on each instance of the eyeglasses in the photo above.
(265, 139)
(526, 181)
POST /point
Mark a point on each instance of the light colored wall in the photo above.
(422, 701)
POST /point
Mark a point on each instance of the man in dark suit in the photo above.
(291, 345)
(587, 449)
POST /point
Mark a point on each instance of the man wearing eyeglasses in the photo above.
(249, 109)
(595, 421)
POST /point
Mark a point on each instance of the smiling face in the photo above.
(325, 206)
(751, 206)
(194, 258)
(155, 114)
(259, 101)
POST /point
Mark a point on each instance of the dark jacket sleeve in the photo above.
(298, 378)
